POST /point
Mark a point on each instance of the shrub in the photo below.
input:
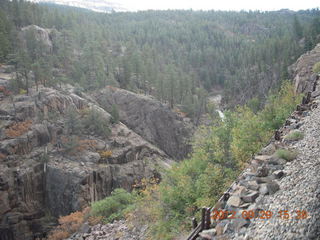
(18, 129)
(316, 68)
(22, 91)
(94, 220)
(286, 154)
(105, 154)
(294, 136)
(70, 144)
(113, 207)
(87, 144)
(114, 114)
(68, 225)
(73, 122)
(95, 122)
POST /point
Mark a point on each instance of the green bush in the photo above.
(114, 114)
(294, 136)
(73, 122)
(113, 207)
(286, 154)
(316, 68)
(95, 122)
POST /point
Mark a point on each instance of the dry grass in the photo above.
(18, 129)
(68, 225)
(105, 154)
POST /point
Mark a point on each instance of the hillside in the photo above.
(277, 195)
(124, 125)
(60, 151)
(177, 56)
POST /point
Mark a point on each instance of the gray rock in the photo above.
(268, 150)
(263, 179)
(250, 196)
(273, 187)
(263, 158)
(239, 223)
(252, 185)
(263, 189)
(234, 201)
(222, 227)
(208, 234)
(41, 35)
(85, 228)
(302, 73)
(149, 118)
(278, 174)
(262, 171)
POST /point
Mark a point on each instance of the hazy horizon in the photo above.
(227, 5)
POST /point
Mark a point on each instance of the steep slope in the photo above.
(299, 192)
(277, 195)
(149, 118)
(44, 171)
(301, 71)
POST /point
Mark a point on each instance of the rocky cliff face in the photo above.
(301, 71)
(151, 119)
(40, 180)
(42, 36)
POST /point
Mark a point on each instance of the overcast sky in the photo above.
(219, 4)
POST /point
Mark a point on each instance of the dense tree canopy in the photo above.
(174, 55)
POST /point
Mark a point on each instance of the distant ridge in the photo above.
(94, 5)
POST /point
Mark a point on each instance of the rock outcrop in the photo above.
(151, 119)
(301, 71)
(42, 36)
(40, 180)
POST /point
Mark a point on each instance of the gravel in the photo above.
(299, 191)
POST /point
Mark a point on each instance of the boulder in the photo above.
(238, 223)
(273, 187)
(208, 234)
(278, 174)
(252, 185)
(263, 189)
(262, 171)
(249, 196)
(222, 227)
(268, 150)
(234, 201)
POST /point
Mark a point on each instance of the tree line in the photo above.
(176, 56)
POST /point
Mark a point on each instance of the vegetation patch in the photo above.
(96, 123)
(18, 129)
(286, 154)
(68, 225)
(219, 153)
(294, 136)
(113, 207)
(316, 68)
(105, 154)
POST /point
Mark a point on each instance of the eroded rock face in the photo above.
(301, 71)
(42, 35)
(151, 119)
(39, 179)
